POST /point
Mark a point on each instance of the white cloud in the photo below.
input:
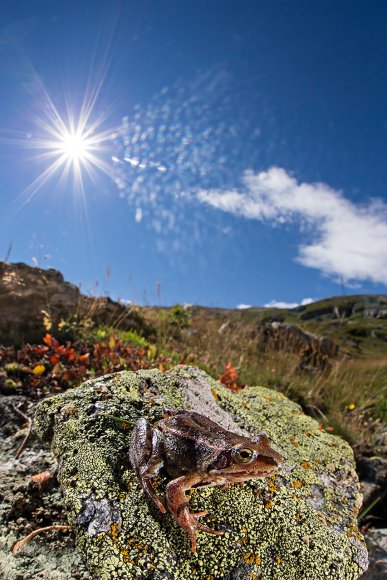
(346, 240)
(244, 306)
(279, 304)
(306, 301)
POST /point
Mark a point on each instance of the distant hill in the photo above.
(33, 300)
(357, 324)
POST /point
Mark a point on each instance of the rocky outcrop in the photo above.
(313, 351)
(299, 524)
(344, 307)
(31, 299)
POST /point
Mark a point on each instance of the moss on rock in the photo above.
(300, 524)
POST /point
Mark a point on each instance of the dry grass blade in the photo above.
(28, 433)
(18, 545)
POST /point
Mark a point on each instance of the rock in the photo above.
(300, 524)
(377, 545)
(341, 307)
(314, 351)
(372, 469)
(29, 295)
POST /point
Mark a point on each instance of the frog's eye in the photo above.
(243, 455)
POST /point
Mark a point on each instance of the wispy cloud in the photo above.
(280, 304)
(343, 239)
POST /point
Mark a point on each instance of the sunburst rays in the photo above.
(64, 145)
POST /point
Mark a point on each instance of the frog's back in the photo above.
(192, 442)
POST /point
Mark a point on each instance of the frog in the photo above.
(195, 451)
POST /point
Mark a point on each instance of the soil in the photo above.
(28, 502)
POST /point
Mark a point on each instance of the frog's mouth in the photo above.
(243, 475)
(225, 476)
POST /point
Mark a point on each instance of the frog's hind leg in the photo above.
(146, 456)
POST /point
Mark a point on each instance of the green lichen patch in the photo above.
(299, 524)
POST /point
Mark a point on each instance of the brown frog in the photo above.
(195, 451)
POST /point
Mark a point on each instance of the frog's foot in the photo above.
(189, 523)
(178, 505)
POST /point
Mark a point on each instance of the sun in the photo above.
(67, 142)
(69, 148)
(70, 145)
(75, 146)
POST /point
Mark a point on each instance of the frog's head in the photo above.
(246, 459)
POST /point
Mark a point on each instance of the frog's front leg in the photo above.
(178, 505)
(146, 457)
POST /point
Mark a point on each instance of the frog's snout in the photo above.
(275, 459)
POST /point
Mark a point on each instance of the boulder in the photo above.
(32, 300)
(313, 351)
(299, 524)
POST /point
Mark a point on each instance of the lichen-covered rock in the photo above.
(300, 524)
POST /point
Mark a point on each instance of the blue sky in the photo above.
(237, 150)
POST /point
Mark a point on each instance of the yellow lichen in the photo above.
(114, 533)
(268, 398)
(125, 556)
(296, 484)
(215, 395)
(250, 558)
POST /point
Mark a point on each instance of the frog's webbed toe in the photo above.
(188, 521)
(178, 505)
(203, 528)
